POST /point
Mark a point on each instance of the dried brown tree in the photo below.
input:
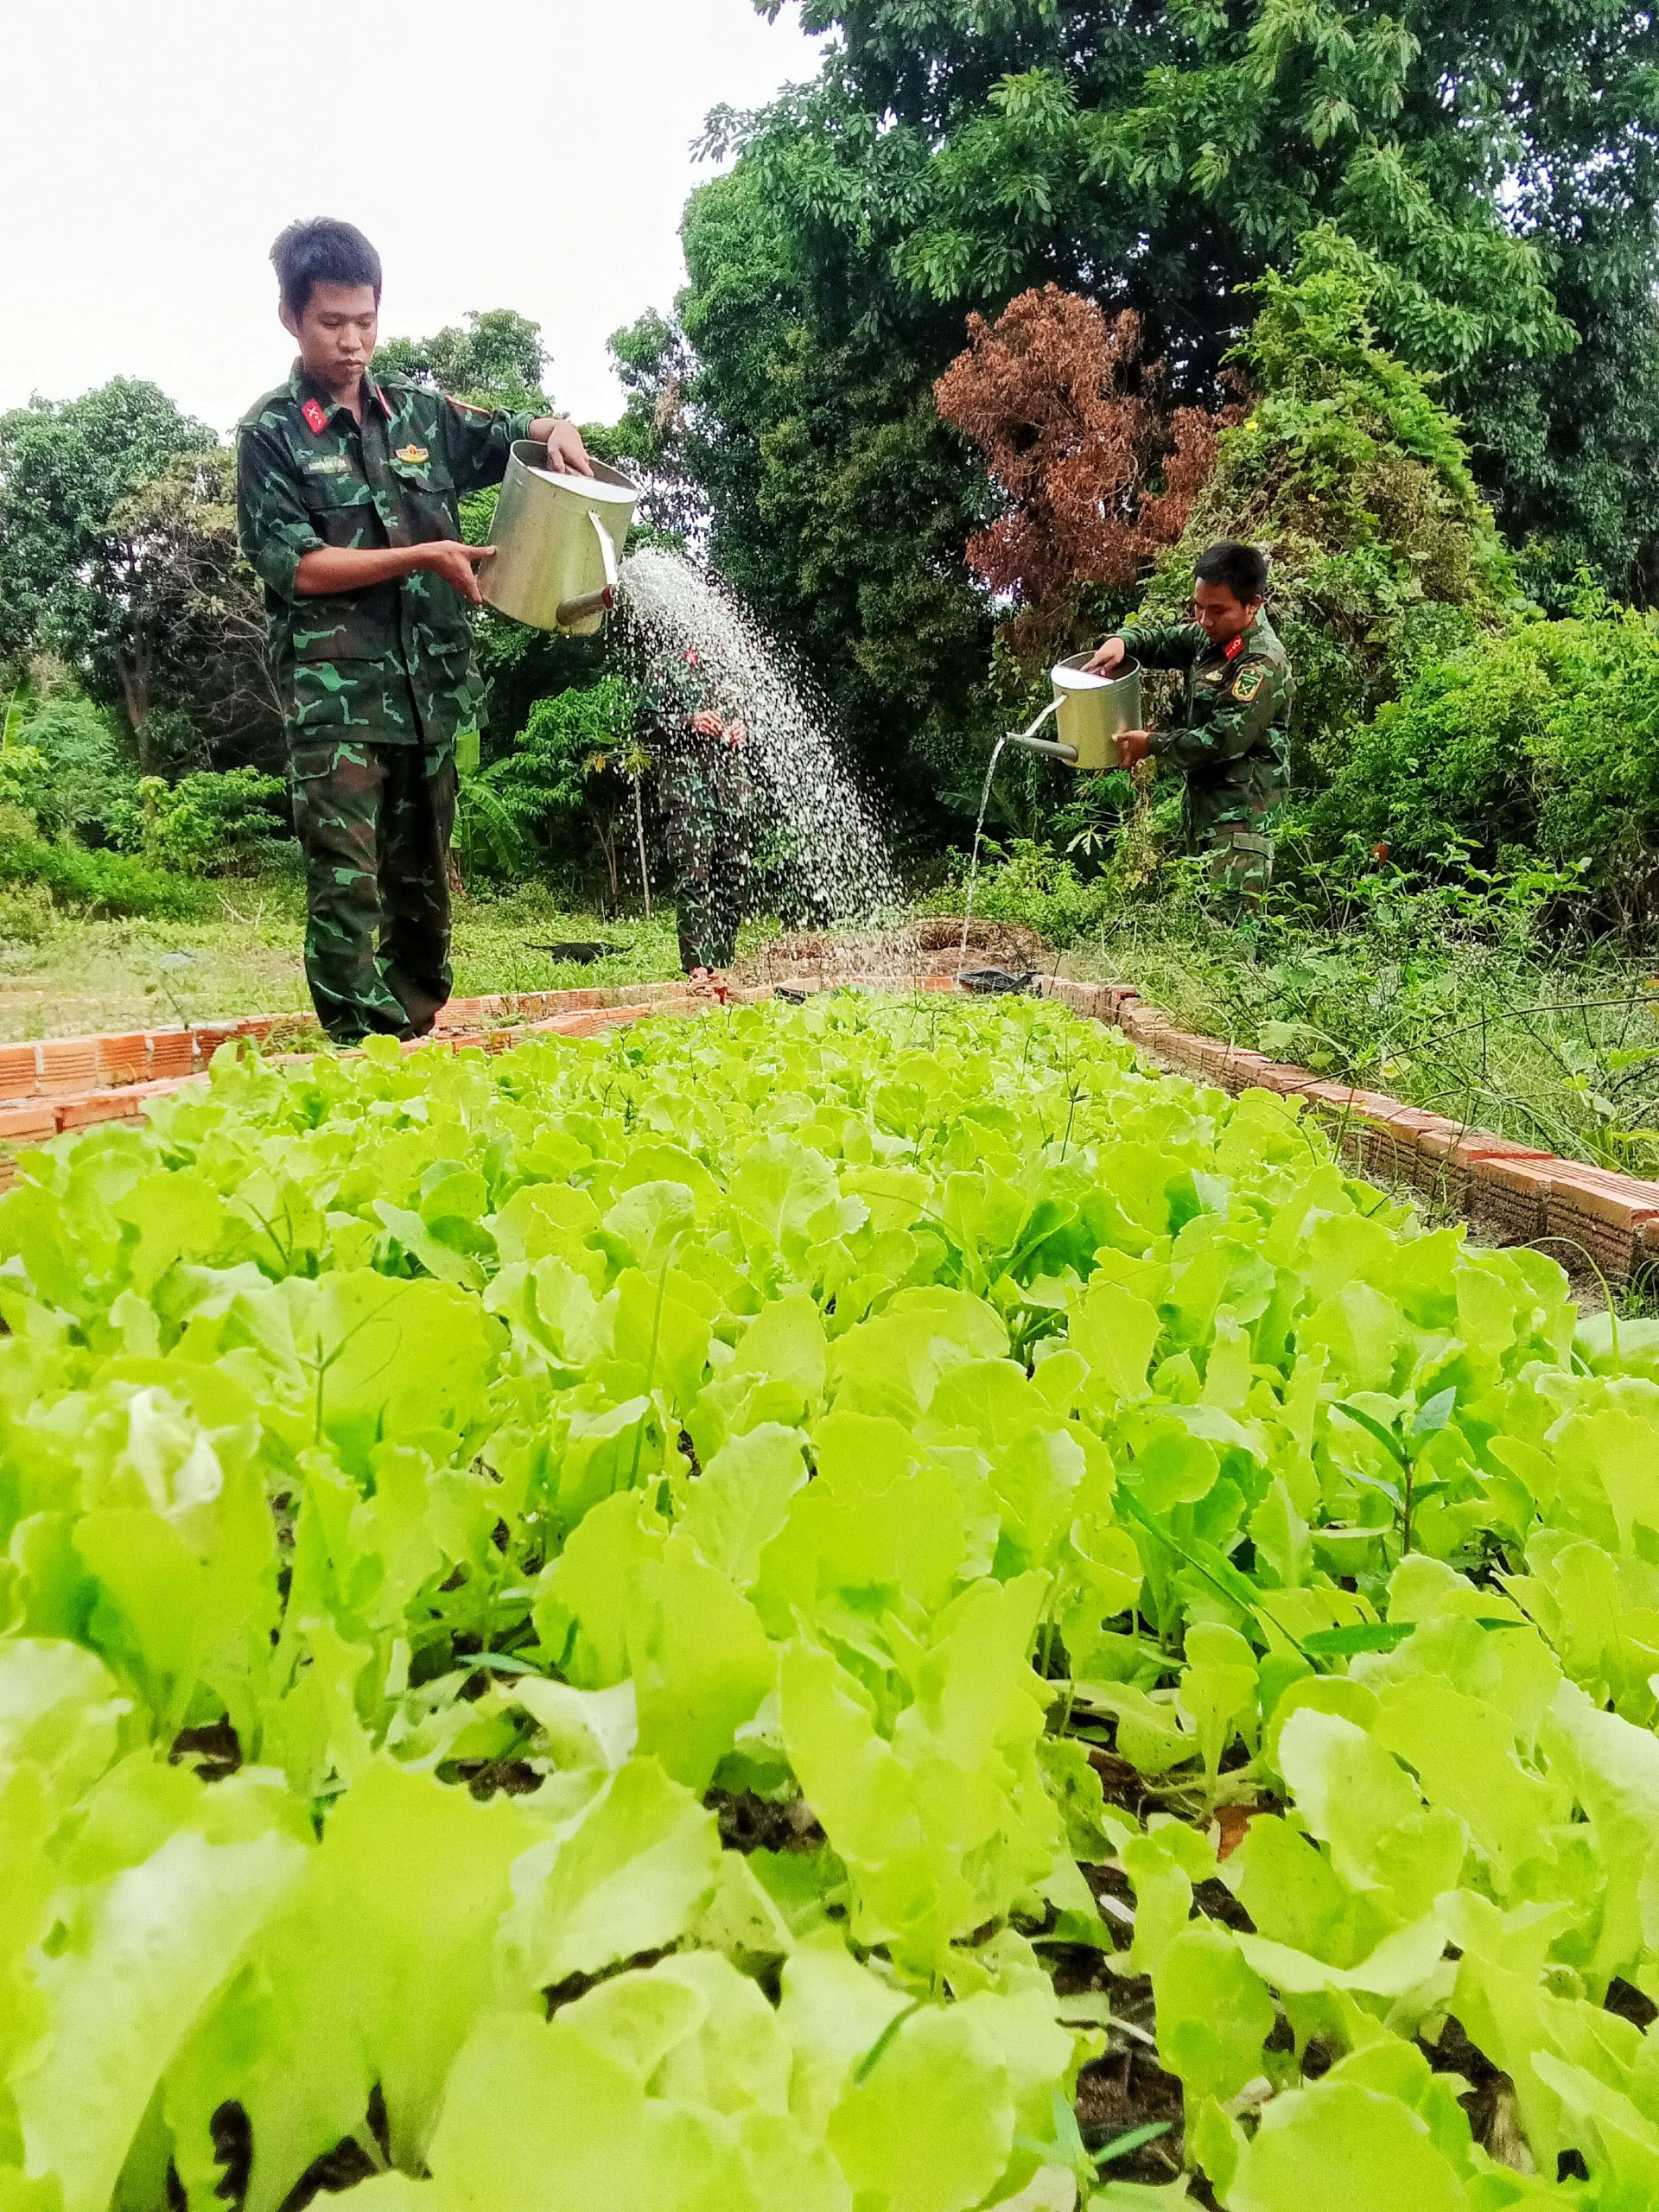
(1098, 472)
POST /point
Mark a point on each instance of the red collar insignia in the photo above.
(313, 414)
(1234, 646)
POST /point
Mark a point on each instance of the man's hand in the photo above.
(1108, 660)
(706, 723)
(565, 451)
(1132, 746)
(449, 558)
(735, 734)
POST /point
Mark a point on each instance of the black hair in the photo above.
(322, 251)
(1243, 569)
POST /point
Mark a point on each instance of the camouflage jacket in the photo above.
(1238, 699)
(391, 665)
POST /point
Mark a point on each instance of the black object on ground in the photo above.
(993, 982)
(582, 949)
(786, 991)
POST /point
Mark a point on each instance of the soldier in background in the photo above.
(1233, 740)
(347, 504)
(707, 802)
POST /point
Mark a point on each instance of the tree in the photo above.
(954, 153)
(1354, 477)
(198, 602)
(497, 359)
(72, 580)
(1097, 471)
(839, 502)
(655, 367)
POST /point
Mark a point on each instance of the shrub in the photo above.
(113, 884)
(217, 823)
(1542, 742)
(82, 783)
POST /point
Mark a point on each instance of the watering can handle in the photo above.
(1028, 736)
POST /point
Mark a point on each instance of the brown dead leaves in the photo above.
(1099, 473)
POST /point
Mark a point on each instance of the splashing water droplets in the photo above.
(827, 837)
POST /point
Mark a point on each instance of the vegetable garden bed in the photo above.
(859, 1605)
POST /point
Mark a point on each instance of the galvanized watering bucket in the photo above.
(1090, 712)
(557, 541)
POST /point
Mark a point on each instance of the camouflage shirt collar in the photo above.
(302, 386)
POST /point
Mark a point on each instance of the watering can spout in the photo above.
(1051, 745)
(583, 605)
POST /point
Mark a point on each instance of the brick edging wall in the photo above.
(1526, 1196)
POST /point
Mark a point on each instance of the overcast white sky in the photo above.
(530, 154)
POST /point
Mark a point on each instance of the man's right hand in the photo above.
(706, 723)
(1108, 660)
(449, 558)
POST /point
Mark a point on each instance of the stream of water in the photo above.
(824, 852)
(973, 864)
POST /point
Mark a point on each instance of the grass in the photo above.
(66, 975)
(1468, 1003)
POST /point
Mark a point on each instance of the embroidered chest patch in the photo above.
(411, 455)
(1250, 683)
(327, 464)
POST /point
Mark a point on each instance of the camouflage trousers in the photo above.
(1233, 820)
(705, 831)
(374, 822)
(711, 885)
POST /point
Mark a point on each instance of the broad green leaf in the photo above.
(148, 1953)
(625, 1875)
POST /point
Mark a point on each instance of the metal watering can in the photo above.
(557, 540)
(1090, 712)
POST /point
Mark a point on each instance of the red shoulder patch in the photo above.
(313, 414)
(1234, 646)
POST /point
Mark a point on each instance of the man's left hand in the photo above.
(1133, 746)
(565, 451)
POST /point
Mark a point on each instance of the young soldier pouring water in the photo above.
(1233, 739)
(347, 496)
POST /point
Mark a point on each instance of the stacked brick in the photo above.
(1585, 1217)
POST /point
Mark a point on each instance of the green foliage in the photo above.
(408, 1518)
(497, 359)
(1538, 744)
(103, 883)
(570, 776)
(214, 824)
(85, 785)
(73, 578)
(840, 504)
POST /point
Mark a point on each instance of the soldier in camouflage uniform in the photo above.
(348, 492)
(1234, 738)
(707, 803)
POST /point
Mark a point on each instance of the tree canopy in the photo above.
(1495, 169)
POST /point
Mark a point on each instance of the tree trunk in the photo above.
(135, 666)
(639, 831)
